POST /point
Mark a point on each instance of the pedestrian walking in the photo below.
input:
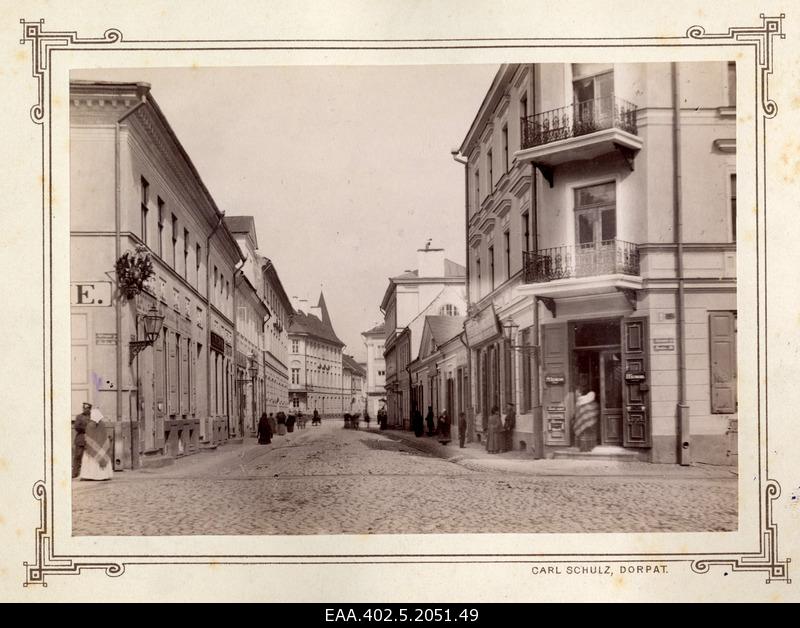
(354, 419)
(281, 417)
(315, 420)
(367, 418)
(273, 424)
(509, 424)
(443, 428)
(96, 463)
(462, 429)
(382, 418)
(429, 421)
(495, 437)
(79, 444)
(264, 430)
(417, 423)
(290, 421)
(587, 414)
(301, 420)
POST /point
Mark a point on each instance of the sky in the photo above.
(346, 169)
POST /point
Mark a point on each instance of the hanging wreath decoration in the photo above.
(133, 271)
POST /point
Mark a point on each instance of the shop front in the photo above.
(606, 357)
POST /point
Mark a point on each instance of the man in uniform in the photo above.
(80, 438)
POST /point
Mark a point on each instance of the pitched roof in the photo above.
(444, 328)
(349, 363)
(302, 323)
(242, 224)
(453, 269)
(377, 330)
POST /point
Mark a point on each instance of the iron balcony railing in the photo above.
(578, 119)
(608, 257)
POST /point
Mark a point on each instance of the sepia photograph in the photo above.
(400, 309)
(404, 299)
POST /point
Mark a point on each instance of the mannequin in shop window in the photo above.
(587, 415)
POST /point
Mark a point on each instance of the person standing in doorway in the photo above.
(494, 437)
(429, 421)
(79, 444)
(587, 416)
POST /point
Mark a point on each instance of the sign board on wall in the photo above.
(90, 293)
(663, 344)
(105, 339)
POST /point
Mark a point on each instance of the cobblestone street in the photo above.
(328, 480)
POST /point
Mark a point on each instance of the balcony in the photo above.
(584, 130)
(605, 267)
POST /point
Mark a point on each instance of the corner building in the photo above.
(601, 246)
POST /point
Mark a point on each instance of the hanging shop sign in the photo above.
(482, 327)
(217, 343)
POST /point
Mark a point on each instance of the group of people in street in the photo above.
(92, 446)
(500, 432)
(280, 423)
(440, 429)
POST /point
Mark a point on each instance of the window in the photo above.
(731, 83)
(186, 254)
(215, 278)
(507, 238)
(295, 375)
(448, 309)
(526, 232)
(160, 227)
(477, 189)
(478, 275)
(490, 169)
(491, 265)
(722, 343)
(145, 200)
(295, 402)
(733, 207)
(595, 215)
(197, 257)
(523, 115)
(174, 239)
(505, 148)
(592, 96)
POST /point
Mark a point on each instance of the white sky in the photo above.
(346, 169)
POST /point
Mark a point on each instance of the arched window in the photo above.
(448, 309)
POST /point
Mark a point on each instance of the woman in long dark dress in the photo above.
(264, 430)
(429, 421)
(417, 422)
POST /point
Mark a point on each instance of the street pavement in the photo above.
(328, 480)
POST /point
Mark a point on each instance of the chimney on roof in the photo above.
(430, 261)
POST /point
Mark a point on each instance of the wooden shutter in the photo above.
(555, 367)
(173, 374)
(160, 385)
(722, 338)
(636, 413)
(184, 349)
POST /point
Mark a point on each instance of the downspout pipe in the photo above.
(220, 218)
(142, 89)
(458, 157)
(538, 419)
(684, 433)
(237, 271)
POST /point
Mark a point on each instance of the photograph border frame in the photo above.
(44, 45)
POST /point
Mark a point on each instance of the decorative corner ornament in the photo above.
(134, 270)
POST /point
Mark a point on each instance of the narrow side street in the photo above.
(328, 480)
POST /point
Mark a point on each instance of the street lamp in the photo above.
(152, 321)
(509, 330)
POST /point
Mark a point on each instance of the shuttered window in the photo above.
(722, 339)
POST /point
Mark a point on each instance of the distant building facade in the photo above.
(354, 388)
(435, 287)
(374, 340)
(315, 362)
(276, 339)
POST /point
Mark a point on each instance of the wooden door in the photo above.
(611, 397)
(556, 384)
(636, 412)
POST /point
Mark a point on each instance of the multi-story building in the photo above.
(353, 385)
(315, 362)
(374, 340)
(601, 247)
(435, 287)
(133, 187)
(276, 337)
(252, 314)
